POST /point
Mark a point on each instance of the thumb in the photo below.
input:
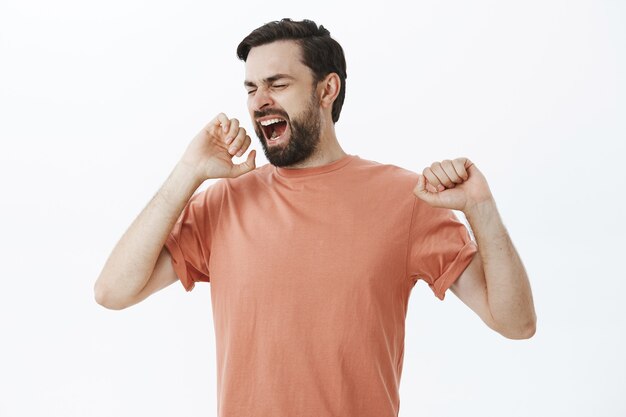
(246, 166)
(422, 193)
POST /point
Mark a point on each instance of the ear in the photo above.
(329, 90)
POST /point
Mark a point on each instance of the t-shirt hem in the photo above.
(178, 262)
(454, 271)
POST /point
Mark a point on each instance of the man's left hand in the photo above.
(454, 184)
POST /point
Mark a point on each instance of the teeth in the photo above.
(270, 122)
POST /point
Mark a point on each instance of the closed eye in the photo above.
(273, 86)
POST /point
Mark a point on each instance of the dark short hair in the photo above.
(321, 53)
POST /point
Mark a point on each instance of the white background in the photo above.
(98, 101)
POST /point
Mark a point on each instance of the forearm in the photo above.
(133, 259)
(508, 289)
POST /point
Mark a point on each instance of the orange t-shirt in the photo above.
(311, 271)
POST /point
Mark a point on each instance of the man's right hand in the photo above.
(210, 155)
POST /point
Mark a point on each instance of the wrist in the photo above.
(483, 210)
(189, 172)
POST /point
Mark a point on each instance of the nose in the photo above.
(261, 99)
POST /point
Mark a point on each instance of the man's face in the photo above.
(282, 103)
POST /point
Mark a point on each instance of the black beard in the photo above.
(305, 136)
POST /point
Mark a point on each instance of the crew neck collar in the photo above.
(304, 172)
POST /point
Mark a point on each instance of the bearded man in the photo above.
(312, 257)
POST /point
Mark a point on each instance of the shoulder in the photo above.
(386, 174)
(216, 195)
(249, 178)
(227, 189)
(218, 189)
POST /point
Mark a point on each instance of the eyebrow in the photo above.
(268, 80)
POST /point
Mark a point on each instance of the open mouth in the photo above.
(273, 128)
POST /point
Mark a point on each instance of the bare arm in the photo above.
(495, 284)
(133, 259)
(139, 265)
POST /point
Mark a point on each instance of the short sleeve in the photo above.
(189, 242)
(440, 247)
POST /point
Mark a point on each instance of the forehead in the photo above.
(281, 57)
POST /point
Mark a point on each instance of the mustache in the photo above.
(268, 112)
